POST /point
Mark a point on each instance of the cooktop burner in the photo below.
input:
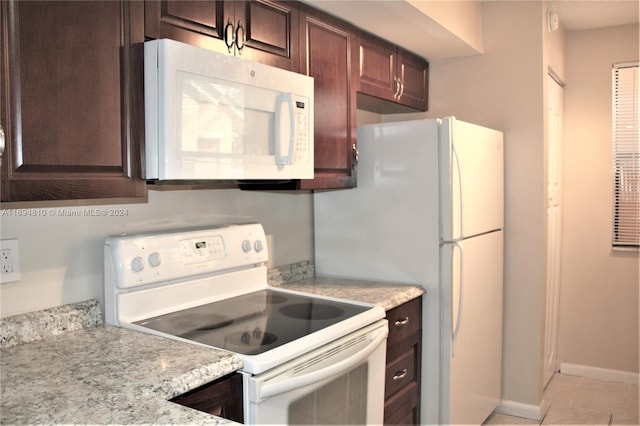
(255, 322)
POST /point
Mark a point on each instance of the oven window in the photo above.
(342, 401)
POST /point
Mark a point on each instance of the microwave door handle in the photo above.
(285, 129)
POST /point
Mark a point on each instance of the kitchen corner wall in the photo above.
(599, 286)
(61, 253)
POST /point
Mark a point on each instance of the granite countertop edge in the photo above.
(384, 294)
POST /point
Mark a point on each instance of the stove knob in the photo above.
(258, 246)
(257, 333)
(137, 264)
(154, 259)
(246, 246)
(245, 338)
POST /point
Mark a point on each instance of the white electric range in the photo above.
(208, 286)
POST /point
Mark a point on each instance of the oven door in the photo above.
(339, 383)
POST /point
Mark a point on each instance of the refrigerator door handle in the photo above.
(458, 323)
(458, 193)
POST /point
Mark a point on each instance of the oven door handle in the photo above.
(298, 381)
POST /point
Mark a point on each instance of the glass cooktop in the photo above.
(253, 323)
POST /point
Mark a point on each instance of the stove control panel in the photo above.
(141, 259)
(203, 249)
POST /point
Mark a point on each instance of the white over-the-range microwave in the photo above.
(210, 116)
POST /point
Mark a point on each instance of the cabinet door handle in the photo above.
(356, 156)
(399, 375)
(401, 322)
(401, 89)
(229, 35)
(2, 141)
(240, 40)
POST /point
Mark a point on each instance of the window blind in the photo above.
(626, 155)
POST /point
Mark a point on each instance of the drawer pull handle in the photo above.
(400, 375)
(404, 321)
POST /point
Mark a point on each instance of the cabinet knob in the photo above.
(1, 141)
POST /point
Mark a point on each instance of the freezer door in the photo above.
(472, 291)
(471, 179)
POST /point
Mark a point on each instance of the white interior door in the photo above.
(554, 223)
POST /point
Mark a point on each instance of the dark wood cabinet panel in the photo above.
(389, 73)
(377, 67)
(266, 30)
(404, 352)
(196, 22)
(403, 408)
(222, 398)
(272, 34)
(413, 72)
(328, 47)
(72, 106)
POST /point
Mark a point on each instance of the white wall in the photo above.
(599, 286)
(61, 256)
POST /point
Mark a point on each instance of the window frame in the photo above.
(625, 88)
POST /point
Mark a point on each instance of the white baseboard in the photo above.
(525, 411)
(599, 373)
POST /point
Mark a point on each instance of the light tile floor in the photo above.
(583, 401)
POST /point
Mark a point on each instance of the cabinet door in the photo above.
(413, 72)
(72, 107)
(377, 67)
(199, 22)
(328, 47)
(271, 32)
(266, 31)
(222, 398)
(390, 78)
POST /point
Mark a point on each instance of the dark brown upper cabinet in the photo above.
(327, 48)
(389, 73)
(71, 99)
(260, 30)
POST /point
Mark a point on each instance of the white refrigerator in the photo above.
(429, 209)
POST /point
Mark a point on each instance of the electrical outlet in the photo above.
(9, 261)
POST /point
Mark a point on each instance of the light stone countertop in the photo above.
(106, 375)
(384, 294)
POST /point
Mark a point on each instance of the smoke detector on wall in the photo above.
(552, 21)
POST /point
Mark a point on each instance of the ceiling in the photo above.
(421, 34)
(577, 15)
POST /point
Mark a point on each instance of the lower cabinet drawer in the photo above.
(404, 407)
(404, 321)
(400, 372)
